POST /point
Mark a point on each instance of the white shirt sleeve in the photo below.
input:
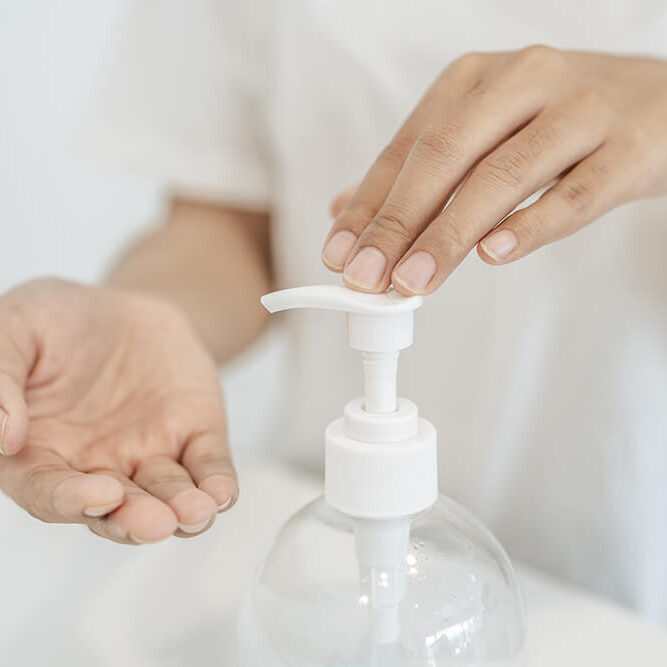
(182, 99)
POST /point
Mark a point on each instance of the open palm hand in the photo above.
(113, 414)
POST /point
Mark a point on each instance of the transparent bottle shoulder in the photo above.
(310, 596)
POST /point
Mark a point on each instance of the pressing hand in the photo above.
(493, 129)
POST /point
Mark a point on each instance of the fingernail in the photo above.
(4, 421)
(500, 244)
(417, 270)
(136, 540)
(367, 268)
(226, 504)
(115, 531)
(102, 510)
(336, 251)
(222, 488)
(195, 527)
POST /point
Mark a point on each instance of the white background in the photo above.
(63, 213)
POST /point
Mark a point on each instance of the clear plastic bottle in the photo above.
(381, 571)
(309, 602)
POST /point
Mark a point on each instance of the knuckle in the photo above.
(530, 227)
(211, 459)
(167, 479)
(576, 193)
(540, 56)
(483, 100)
(507, 169)
(452, 241)
(439, 142)
(468, 61)
(542, 137)
(483, 94)
(32, 479)
(34, 499)
(394, 153)
(392, 222)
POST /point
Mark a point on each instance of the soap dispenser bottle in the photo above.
(381, 571)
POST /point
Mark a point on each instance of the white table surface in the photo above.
(68, 598)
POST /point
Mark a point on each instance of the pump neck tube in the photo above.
(380, 369)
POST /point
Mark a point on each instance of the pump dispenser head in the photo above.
(378, 325)
(381, 460)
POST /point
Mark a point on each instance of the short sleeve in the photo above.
(182, 99)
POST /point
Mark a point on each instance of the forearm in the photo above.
(212, 263)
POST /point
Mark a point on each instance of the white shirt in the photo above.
(546, 378)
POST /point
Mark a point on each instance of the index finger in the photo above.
(460, 77)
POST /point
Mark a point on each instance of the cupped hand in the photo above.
(491, 131)
(111, 413)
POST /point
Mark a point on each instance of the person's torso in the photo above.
(547, 378)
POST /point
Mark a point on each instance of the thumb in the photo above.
(18, 352)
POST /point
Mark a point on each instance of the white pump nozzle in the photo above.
(380, 457)
(337, 297)
(379, 325)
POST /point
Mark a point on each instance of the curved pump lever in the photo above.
(379, 325)
(337, 297)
